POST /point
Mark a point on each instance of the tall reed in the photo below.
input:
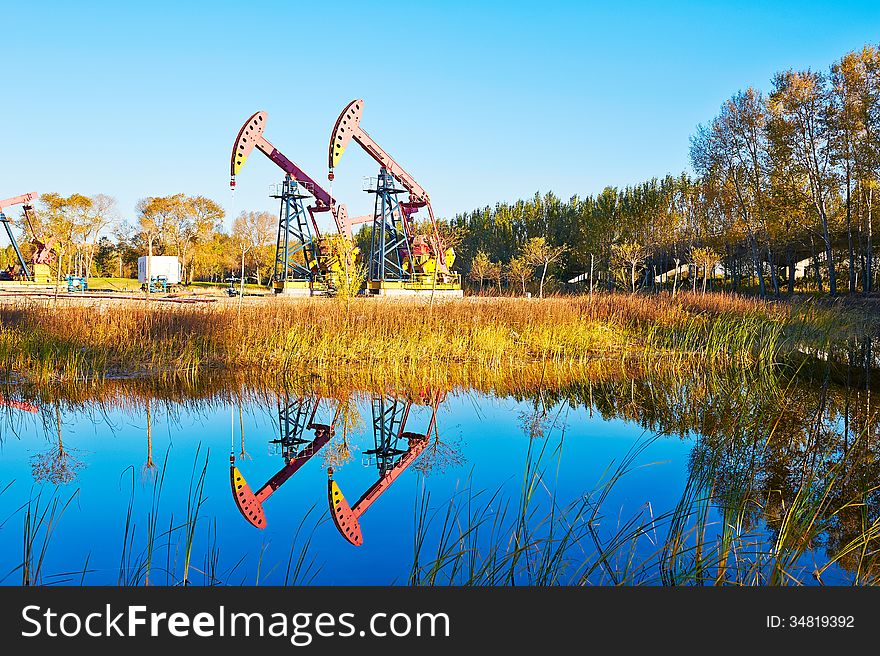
(76, 342)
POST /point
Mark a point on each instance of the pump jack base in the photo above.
(42, 275)
(27, 286)
(296, 288)
(401, 288)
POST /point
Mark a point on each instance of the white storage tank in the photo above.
(160, 265)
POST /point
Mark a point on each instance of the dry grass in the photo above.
(41, 343)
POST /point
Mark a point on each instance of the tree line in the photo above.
(90, 238)
(783, 197)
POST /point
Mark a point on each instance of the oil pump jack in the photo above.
(391, 413)
(43, 254)
(295, 417)
(401, 261)
(298, 231)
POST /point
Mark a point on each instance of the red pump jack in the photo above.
(43, 253)
(251, 505)
(18, 405)
(389, 423)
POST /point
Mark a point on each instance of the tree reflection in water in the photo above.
(59, 464)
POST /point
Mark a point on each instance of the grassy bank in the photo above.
(73, 341)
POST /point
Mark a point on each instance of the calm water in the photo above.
(99, 476)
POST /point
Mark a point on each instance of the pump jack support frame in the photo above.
(25, 200)
(390, 242)
(296, 234)
(21, 260)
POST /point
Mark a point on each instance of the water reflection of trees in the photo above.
(58, 464)
(792, 461)
(340, 449)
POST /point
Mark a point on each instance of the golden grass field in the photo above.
(43, 339)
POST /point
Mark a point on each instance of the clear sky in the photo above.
(480, 101)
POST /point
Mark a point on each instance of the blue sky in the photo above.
(481, 101)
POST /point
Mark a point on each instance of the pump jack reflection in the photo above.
(295, 417)
(390, 416)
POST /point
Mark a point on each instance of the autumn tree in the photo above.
(480, 268)
(855, 81)
(63, 218)
(153, 218)
(496, 274)
(519, 271)
(802, 124)
(58, 465)
(734, 149)
(77, 223)
(706, 259)
(243, 228)
(342, 257)
(180, 225)
(187, 222)
(263, 237)
(203, 219)
(631, 255)
(538, 253)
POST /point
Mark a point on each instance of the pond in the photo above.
(746, 477)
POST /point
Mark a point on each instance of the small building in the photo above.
(160, 265)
